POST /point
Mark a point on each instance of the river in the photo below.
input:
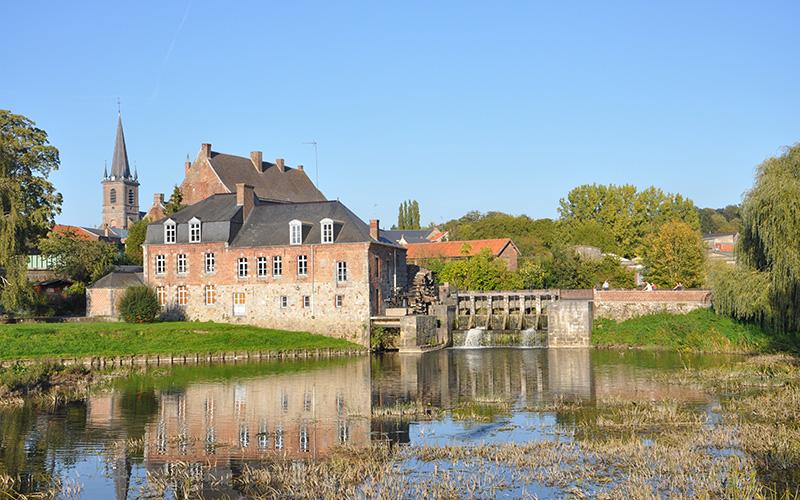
(213, 419)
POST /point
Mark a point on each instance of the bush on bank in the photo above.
(139, 304)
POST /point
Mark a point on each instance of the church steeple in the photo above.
(120, 189)
(119, 165)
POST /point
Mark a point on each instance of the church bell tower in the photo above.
(120, 189)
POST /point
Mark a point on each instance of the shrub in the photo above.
(139, 304)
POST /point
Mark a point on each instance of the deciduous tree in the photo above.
(28, 200)
(78, 259)
(675, 254)
(133, 244)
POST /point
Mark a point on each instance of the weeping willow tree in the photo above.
(28, 201)
(769, 245)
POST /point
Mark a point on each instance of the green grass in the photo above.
(51, 340)
(699, 330)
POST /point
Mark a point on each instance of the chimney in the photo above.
(279, 164)
(186, 166)
(374, 229)
(158, 199)
(300, 168)
(205, 150)
(245, 199)
(105, 230)
(257, 158)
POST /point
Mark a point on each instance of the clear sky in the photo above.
(463, 106)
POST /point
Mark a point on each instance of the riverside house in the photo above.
(308, 266)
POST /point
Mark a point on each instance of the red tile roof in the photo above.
(454, 249)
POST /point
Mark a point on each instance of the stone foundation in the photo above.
(570, 323)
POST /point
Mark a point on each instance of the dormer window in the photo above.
(295, 232)
(170, 231)
(194, 230)
(327, 230)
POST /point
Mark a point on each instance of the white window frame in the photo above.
(262, 267)
(182, 299)
(195, 226)
(160, 265)
(161, 293)
(341, 271)
(181, 263)
(241, 265)
(210, 262)
(295, 232)
(284, 301)
(277, 266)
(326, 226)
(306, 301)
(302, 265)
(170, 232)
(338, 301)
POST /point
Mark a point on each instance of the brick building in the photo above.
(216, 173)
(501, 248)
(311, 265)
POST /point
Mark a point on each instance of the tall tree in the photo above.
(622, 214)
(769, 243)
(675, 254)
(28, 200)
(133, 244)
(415, 218)
(175, 202)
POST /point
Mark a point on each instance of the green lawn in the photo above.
(699, 330)
(53, 340)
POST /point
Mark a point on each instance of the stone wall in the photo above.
(620, 305)
(370, 277)
(417, 333)
(569, 323)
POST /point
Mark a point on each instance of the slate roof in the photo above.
(410, 235)
(119, 279)
(291, 185)
(216, 208)
(268, 223)
(453, 249)
(119, 165)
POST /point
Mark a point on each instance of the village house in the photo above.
(501, 248)
(238, 257)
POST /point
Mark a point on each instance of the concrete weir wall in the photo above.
(570, 323)
(620, 305)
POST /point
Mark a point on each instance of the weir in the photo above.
(523, 318)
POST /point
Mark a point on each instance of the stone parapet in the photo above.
(619, 305)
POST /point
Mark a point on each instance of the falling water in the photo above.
(474, 337)
(528, 337)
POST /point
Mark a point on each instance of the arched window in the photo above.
(112, 196)
(130, 197)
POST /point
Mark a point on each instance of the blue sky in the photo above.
(462, 106)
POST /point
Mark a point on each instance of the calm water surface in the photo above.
(220, 417)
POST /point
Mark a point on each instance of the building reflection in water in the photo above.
(304, 410)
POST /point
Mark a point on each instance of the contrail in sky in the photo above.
(169, 50)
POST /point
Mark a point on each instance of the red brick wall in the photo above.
(200, 182)
(654, 296)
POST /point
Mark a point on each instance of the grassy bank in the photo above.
(27, 341)
(699, 330)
